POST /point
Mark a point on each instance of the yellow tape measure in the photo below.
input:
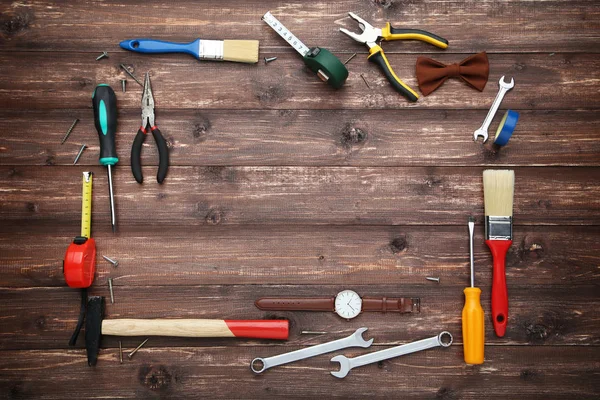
(86, 205)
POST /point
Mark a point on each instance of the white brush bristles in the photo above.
(244, 51)
(498, 192)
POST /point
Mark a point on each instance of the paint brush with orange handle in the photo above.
(498, 191)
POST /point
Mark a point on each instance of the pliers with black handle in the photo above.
(161, 143)
(371, 35)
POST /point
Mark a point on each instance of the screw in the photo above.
(269, 59)
(101, 56)
(83, 146)
(312, 333)
(430, 278)
(351, 57)
(131, 75)
(112, 298)
(69, 131)
(123, 84)
(136, 349)
(366, 83)
(115, 263)
(120, 352)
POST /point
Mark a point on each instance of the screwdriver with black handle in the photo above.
(104, 102)
(472, 314)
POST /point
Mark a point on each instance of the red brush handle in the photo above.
(260, 329)
(499, 248)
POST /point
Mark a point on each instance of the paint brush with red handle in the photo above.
(498, 191)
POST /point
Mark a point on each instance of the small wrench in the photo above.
(483, 131)
(444, 339)
(354, 340)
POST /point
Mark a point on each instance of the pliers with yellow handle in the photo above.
(370, 36)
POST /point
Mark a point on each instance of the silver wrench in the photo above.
(444, 339)
(354, 340)
(483, 130)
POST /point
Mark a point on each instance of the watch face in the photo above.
(348, 304)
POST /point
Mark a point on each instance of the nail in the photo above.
(79, 154)
(120, 352)
(366, 83)
(269, 59)
(110, 288)
(123, 84)
(101, 56)
(430, 278)
(69, 131)
(312, 333)
(351, 57)
(115, 263)
(131, 75)
(136, 349)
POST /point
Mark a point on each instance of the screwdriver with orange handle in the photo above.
(472, 314)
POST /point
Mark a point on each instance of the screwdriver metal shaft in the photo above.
(113, 219)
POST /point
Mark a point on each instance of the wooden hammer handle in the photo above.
(262, 329)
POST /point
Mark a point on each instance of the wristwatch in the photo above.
(347, 304)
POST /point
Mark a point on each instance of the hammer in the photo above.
(96, 326)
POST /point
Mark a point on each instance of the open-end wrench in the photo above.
(444, 339)
(354, 340)
(483, 130)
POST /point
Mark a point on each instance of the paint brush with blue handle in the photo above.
(243, 51)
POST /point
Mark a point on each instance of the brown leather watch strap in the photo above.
(296, 304)
(383, 304)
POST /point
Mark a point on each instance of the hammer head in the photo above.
(93, 328)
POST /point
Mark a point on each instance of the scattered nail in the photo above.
(136, 349)
(366, 83)
(115, 263)
(312, 333)
(110, 288)
(351, 57)
(123, 84)
(69, 131)
(131, 75)
(120, 352)
(79, 154)
(269, 59)
(101, 56)
(430, 278)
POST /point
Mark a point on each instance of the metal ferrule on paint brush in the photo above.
(211, 50)
(498, 228)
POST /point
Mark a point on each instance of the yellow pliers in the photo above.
(371, 35)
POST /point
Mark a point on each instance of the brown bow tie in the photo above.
(473, 70)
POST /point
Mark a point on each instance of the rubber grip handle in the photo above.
(378, 57)
(163, 155)
(104, 102)
(151, 46)
(499, 248)
(473, 328)
(136, 156)
(391, 33)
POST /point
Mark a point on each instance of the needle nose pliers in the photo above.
(161, 143)
(370, 36)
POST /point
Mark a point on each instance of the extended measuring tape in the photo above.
(79, 265)
(328, 67)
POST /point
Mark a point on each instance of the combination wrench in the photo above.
(444, 339)
(483, 130)
(354, 340)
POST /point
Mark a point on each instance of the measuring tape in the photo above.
(328, 67)
(79, 265)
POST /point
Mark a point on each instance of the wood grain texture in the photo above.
(187, 372)
(470, 26)
(306, 255)
(538, 314)
(293, 137)
(295, 196)
(542, 81)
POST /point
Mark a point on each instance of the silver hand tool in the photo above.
(483, 130)
(354, 340)
(444, 339)
(471, 230)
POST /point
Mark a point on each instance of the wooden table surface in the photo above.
(280, 185)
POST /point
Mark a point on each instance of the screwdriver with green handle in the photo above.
(104, 102)
(472, 314)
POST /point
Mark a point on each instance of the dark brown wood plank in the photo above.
(39, 318)
(305, 255)
(208, 196)
(543, 81)
(540, 372)
(473, 26)
(293, 137)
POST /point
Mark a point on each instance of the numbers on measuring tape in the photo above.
(285, 34)
(86, 205)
